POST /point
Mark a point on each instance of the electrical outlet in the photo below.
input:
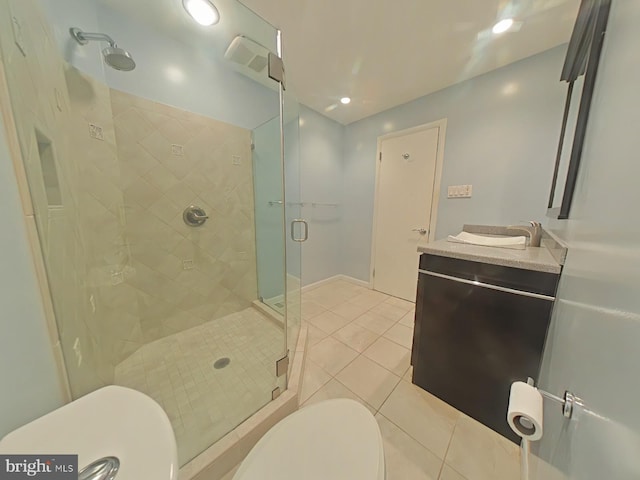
(459, 191)
(236, 160)
(95, 131)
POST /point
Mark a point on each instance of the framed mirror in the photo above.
(580, 71)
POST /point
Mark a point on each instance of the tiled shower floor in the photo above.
(202, 402)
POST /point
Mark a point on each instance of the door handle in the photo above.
(305, 237)
(421, 231)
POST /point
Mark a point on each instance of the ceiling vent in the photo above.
(251, 59)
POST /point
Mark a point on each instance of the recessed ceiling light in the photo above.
(202, 11)
(502, 26)
(345, 100)
(175, 74)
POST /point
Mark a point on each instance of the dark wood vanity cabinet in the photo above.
(478, 328)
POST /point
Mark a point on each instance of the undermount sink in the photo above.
(517, 243)
(111, 422)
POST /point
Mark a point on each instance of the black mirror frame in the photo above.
(583, 57)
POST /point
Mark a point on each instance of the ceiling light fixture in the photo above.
(202, 11)
(345, 100)
(502, 26)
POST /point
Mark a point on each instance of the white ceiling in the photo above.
(382, 53)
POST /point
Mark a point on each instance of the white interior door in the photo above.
(406, 183)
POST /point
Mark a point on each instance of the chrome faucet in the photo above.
(534, 231)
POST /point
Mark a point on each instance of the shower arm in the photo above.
(85, 37)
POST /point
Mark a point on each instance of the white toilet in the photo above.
(112, 422)
(332, 440)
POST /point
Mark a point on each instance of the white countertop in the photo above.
(532, 258)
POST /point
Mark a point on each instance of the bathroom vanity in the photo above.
(482, 315)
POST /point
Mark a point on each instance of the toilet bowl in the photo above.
(110, 423)
(331, 440)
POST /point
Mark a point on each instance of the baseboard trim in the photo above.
(319, 283)
(346, 278)
(362, 283)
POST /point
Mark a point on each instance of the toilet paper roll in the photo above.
(525, 411)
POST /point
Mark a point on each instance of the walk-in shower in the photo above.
(146, 295)
(114, 56)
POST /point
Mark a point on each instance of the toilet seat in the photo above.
(331, 440)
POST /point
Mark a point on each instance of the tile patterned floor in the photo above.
(204, 403)
(359, 348)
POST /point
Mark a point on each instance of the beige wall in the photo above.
(111, 229)
(183, 276)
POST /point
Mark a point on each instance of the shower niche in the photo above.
(49, 170)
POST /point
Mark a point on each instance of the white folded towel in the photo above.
(516, 243)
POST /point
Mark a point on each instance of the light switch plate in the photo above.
(459, 191)
(236, 159)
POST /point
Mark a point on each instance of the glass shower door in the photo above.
(270, 221)
(279, 221)
(297, 228)
(147, 202)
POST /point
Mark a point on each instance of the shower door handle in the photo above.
(305, 237)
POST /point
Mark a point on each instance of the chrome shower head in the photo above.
(119, 59)
(114, 56)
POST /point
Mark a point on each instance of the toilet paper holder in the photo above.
(569, 401)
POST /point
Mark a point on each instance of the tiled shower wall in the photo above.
(75, 204)
(182, 276)
(108, 196)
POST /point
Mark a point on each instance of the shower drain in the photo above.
(221, 363)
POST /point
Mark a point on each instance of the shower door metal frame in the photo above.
(277, 73)
(277, 69)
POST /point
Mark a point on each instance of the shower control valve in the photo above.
(194, 216)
